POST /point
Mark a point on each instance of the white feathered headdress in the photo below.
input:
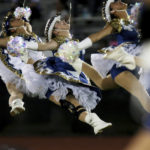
(49, 26)
(22, 12)
(107, 10)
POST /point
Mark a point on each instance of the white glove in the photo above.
(121, 56)
(32, 45)
(84, 44)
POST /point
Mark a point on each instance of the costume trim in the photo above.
(49, 27)
(4, 58)
(107, 10)
(44, 72)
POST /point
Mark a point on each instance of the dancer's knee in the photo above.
(75, 110)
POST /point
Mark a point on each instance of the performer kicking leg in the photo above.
(81, 113)
(115, 13)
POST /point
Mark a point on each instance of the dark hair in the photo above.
(6, 24)
(112, 15)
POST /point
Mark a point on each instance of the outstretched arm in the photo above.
(52, 45)
(3, 42)
(86, 43)
(107, 30)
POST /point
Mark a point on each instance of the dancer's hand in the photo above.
(16, 46)
(62, 28)
(68, 51)
(120, 13)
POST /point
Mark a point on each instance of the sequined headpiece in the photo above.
(50, 25)
(106, 10)
(21, 12)
(135, 13)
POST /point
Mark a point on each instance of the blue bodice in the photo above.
(127, 35)
(125, 31)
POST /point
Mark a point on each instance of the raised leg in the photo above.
(103, 83)
(76, 109)
(131, 84)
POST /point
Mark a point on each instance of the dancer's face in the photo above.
(62, 25)
(119, 9)
(118, 5)
(20, 25)
(62, 28)
(17, 23)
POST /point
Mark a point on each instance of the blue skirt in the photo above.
(53, 68)
(115, 71)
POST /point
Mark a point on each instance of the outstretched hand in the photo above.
(68, 51)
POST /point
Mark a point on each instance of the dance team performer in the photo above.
(131, 61)
(17, 23)
(79, 90)
(111, 74)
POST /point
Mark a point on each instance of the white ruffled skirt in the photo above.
(34, 84)
(103, 66)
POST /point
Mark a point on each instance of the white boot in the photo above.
(93, 120)
(17, 107)
(121, 56)
(84, 44)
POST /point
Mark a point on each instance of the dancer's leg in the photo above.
(87, 117)
(53, 99)
(15, 99)
(73, 101)
(140, 141)
(130, 83)
(103, 83)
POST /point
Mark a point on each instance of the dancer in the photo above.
(15, 85)
(77, 90)
(112, 74)
(59, 80)
(130, 61)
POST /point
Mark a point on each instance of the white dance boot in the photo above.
(98, 125)
(17, 107)
(121, 56)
